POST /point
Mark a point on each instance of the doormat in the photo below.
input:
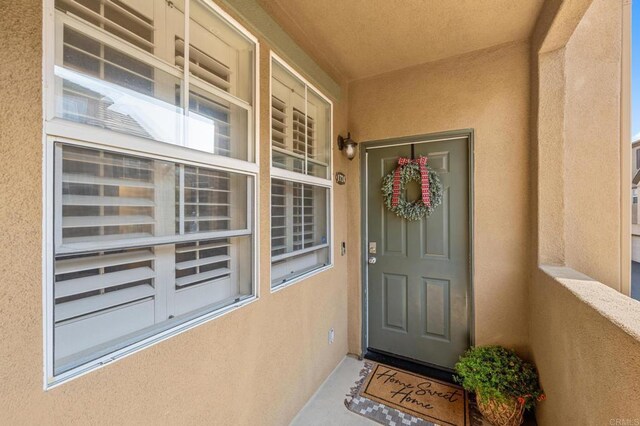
(395, 397)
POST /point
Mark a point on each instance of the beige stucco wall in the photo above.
(489, 92)
(579, 127)
(584, 334)
(256, 365)
(592, 143)
(586, 341)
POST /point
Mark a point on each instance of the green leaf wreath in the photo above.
(412, 210)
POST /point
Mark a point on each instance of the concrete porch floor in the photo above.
(326, 406)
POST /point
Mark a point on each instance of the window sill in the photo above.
(53, 382)
(301, 278)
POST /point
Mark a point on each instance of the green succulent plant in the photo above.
(494, 372)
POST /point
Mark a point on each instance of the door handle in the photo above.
(372, 260)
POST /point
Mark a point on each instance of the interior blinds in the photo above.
(296, 229)
(101, 296)
(278, 217)
(309, 215)
(122, 20)
(292, 217)
(201, 261)
(206, 200)
(204, 66)
(90, 57)
(106, 196)
(278, 123)
(213, 72)
(303, 133)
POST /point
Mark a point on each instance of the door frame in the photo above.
(364, 212)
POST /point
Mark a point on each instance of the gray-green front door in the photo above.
(418, 288)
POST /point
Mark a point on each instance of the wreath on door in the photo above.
(394, 184)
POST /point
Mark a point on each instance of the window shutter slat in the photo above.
(106, 194)
(99, 180)
(114, 18)
(202, 261)
(99, 221)
(66, 266)
(83, 285)
(205, 276)
(203, 66)
(88, 200)
(98, 303)
(186, 249)
(278, 123)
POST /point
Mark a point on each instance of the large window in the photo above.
(300, 177)
(151, 174)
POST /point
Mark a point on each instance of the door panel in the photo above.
(418, 288)
(395, 302)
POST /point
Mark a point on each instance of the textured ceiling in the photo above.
(354, 39)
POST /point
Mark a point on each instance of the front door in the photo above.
(418, 288)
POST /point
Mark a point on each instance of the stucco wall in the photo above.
(586, 338)
(592, 144)
(489, 92)
(256, 365)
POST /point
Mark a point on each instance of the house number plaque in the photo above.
(341, 178)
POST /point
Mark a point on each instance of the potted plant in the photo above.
(504, 384)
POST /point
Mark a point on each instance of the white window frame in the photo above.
(60, 130)
(288, 175)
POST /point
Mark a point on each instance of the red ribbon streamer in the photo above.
(424, 177)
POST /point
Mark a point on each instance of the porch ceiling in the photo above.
(354, 39)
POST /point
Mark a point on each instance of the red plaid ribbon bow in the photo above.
(424, 177)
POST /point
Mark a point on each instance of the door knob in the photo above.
(372, 260)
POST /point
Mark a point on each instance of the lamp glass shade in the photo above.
(351, 150)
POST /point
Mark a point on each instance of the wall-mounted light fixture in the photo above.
(348, 145)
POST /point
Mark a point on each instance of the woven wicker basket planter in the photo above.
(509, 413)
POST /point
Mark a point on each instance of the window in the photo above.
(120, 66)
(152, 174)
(300, 177)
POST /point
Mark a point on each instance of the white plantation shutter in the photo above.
(279, 227)
(279, 123)
(299, 132)
(297, 215)
(90, 57)
(309, 216)
(207, 200)
(210, 71)
(102, 296)
(203, 275)
(115, 199)
(288, 125)
(218, 85)
(294, 216)
(144, 241)
(201, 261)
(204, 67)
(299, 226)
(134, 24)
(106, 196)
(299, 205)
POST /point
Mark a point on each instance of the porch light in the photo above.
(347, 144)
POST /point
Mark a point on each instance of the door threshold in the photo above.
(413, 366)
